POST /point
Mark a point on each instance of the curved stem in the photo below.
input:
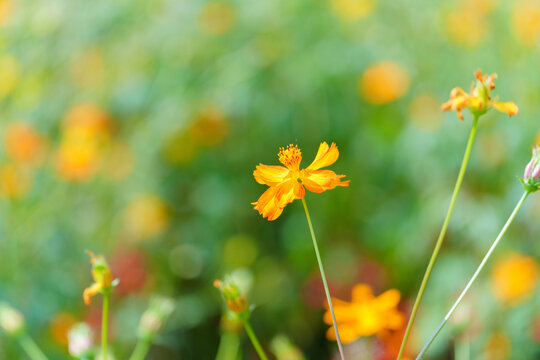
(228, 346)
(254, 340)
(104, 321)
(141, 349)
(30, 347)
(323, 277)
(473, 278)
(440, 238)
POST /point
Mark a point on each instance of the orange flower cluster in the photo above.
(365, 315)
(287, 183)
(478, 100)
(514, 278)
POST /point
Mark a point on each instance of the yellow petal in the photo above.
(321, 180)
(508, 107)
(347, 333)
(326, 155)
(267, 205)
(90, 291)
(388, 299)
(269, 174)
(361, 293)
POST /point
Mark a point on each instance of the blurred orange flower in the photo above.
(514, 278)
(216, 18)
(478, 100)
(85, 134)
(498, 347)
(287, 183)
(60, 325)
(383, 83)
(23, 144)
(15, 181)
(365, 315)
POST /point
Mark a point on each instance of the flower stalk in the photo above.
(442, 234)
(254, 340)
(323, 277)
(104, 325)
(475, 275)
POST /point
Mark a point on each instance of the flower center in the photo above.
(290, 157)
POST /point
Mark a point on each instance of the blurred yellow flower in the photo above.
(23, 144)
(6, 8)
(353, 10)
(86, 131)
(288, 183)
(467, 24)
(15, 181)
(9, 75)
(366, 314)
(210, 127)
(497, 347)
(216, 18)
(425, 112)
(526, 21)
(383, 82)
(77, 160)
(514, 278)
(85, 121)
(478, 100)
(146, 216)
(118, 162)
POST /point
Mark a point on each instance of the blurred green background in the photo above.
(132, 128)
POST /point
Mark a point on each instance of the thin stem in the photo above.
(473, 278)
(30, 347)
(141, 349)
(254, 340)
(440, 239)
(228, 346)
(104, 321)
(323, 277)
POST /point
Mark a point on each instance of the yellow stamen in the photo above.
(290, 156)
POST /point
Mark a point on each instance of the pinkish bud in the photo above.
(529, 169)
(531, 175)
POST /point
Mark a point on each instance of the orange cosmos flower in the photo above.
(365, 315)
(478, 100)
(514, 278)
(287, 183)
(103, 281)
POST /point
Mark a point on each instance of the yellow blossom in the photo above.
(9, 74)
(365, 315)
(497, 347)
(478, 100)
(6, 8)
(15, 182)
(383, 83)
(288, 183)
(514, 278)
(146, 216)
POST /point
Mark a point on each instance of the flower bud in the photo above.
(79, 340)
(103, 281)
(152, 320)
(11, 320)
(235, 300)
(531, 175)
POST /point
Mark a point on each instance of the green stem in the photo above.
(104, 321)
(323, 276)
(473, 278)
(254, 340)
(33, 351)
(228, 346)
(141, 349)
(440, 238)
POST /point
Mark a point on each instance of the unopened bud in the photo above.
(531, 175)
(11, 320)
(235, 300)
(79, 340)
(152, 320)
